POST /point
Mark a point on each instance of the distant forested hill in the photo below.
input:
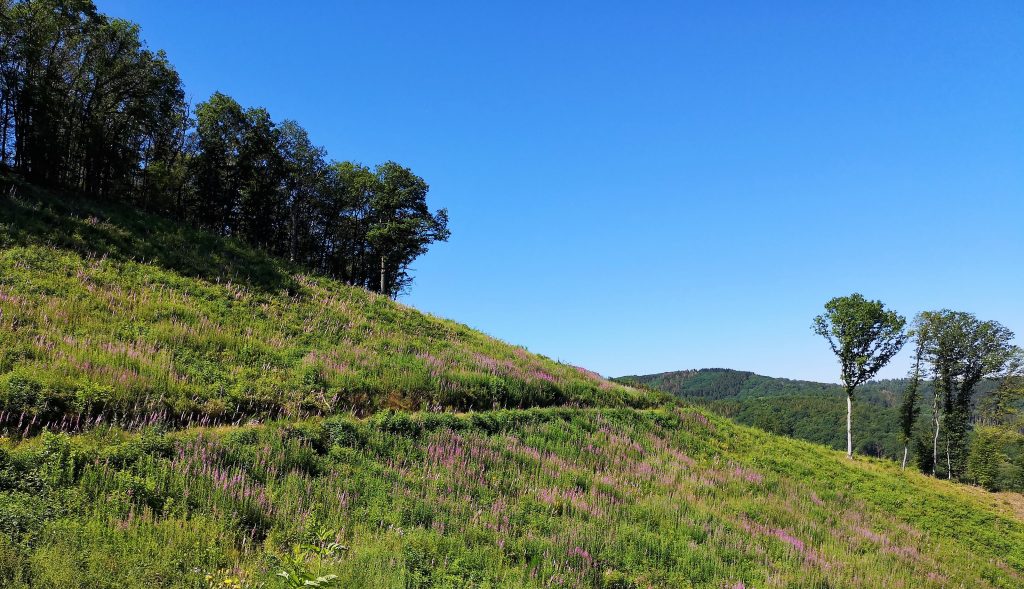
(812, 411)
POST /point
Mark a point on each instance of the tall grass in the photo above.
(529, 498)
(87, 338)
(217, 409)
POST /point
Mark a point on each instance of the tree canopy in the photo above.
(863, 335)
(960, 350)
(87, 107)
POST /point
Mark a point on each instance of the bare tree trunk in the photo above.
(905, 448)
(937, 421)
(849, 425)
(382, 274)
(949, 463)
(3, 134)
(292, 238)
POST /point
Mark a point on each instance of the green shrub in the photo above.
(396, 422)
(615, 580)
(345, 432)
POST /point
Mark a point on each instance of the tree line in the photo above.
(954, 352)
(86, 107)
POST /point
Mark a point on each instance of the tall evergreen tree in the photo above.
(986, 458)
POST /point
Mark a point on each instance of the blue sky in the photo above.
(649, 186)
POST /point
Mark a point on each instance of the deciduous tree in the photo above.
(86, 106)
(909, 408)
(864, 336)
(961, 350)
(401, 225)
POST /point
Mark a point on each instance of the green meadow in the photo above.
(180, 410)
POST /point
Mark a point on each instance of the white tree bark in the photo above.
(937, 422)
(904, 467)
(849, 425)
(949, 462)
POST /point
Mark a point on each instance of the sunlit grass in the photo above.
(89, 339)
(219, 408)
(531, 498)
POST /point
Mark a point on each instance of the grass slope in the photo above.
(552, 497)
(109, 314)
(220, 408)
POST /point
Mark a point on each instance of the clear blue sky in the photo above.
(639, 187)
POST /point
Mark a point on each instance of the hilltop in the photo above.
(182, 410)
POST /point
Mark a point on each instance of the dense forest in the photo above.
(88, 108)
(813, 411)
(801, 409)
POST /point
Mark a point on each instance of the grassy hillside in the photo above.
(554, 497)
(181, 411)
(110, 314)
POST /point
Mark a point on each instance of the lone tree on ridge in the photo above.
(864, 336)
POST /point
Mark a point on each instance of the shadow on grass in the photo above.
(33, 216)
